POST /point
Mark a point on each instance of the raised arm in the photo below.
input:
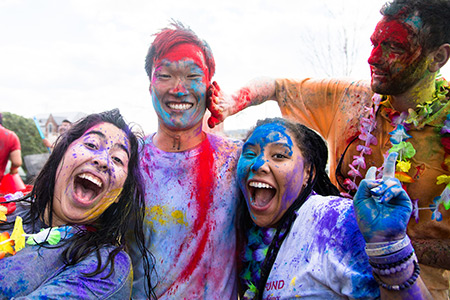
(383, 209)
(222, 105)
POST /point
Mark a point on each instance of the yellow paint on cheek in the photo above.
(104, 203)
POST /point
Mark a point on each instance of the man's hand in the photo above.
(382, 206)
(222, 105)
(219, 104)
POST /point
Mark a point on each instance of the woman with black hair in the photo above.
(87, 196)
(302, 239)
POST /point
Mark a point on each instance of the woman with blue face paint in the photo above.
(302, 240)
(87, 196)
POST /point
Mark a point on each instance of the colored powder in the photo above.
(204, 182)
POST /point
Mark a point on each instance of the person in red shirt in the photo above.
(9, 150)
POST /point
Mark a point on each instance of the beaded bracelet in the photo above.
(387, 248)
(391, 265)
(394, 268)
(399, 287)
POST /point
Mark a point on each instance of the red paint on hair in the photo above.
(186, 51)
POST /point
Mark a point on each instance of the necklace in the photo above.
(402, 122)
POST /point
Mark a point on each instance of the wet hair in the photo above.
(111, 227)
(168, 38)
(315, 154)
(434, 14)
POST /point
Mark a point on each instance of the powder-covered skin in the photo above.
(180, 78)
(40, 273)
(191, 199)
(270, 157)
(323, 257)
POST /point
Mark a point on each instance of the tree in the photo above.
(30, 140)
(340, 46)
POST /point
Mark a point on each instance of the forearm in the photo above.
(257, 91)
(418, 291)
(433, 252)
(16, 159)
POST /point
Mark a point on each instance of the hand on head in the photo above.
(382, 206)
(217, 104)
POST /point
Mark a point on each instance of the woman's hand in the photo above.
(383, 208)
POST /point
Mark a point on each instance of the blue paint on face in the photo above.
(270, 173)
(178, 92)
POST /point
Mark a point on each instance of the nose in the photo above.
(260, 165)
(180, 89)
(101, 162)
(376, 55)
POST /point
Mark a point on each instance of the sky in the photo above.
(88, 55)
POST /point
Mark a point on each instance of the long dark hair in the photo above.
(315, 153)
(118, 219)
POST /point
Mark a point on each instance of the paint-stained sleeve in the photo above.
(71, 283)
(325, 105)
(347, 257)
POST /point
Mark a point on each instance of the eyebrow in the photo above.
(103, 136)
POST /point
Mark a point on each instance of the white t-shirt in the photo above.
(323, 256)
(191, 200)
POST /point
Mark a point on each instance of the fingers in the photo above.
(212, 122)
(371, 173)
(216, 86)
(389, 166)
(388, 189)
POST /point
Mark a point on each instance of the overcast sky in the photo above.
(88, 55)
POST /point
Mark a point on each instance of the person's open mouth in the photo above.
(87, 187)
(261, 194)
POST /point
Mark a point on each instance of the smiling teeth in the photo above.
(180, 106)
(260, 185)
(92, 179)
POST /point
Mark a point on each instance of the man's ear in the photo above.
(439, 58)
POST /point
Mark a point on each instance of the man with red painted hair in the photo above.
(410, 114)
(191, 189)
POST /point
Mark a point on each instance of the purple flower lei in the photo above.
(399, 144)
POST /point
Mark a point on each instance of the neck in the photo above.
(56, 222)
(170, 140)
(418, 94)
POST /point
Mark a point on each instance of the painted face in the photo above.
(91, 175)
(178, 88)
(271, 173)
(397, 61)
